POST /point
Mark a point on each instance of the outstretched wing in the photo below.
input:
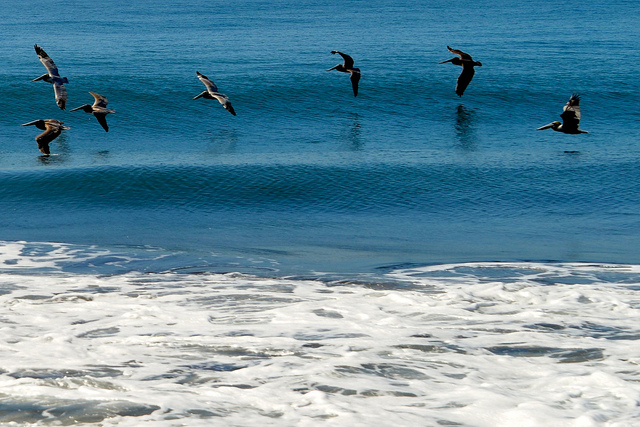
(47, 61)
(461, 54)
(211, 86)
(100, 101)
(61, 95)
(348, 61)
(227, 106)
(224, 100)
(571, 113)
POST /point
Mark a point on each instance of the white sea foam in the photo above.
(482, 344)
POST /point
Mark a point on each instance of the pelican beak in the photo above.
(75, 109)
(333, 67)
(549, 126)
(444, 62)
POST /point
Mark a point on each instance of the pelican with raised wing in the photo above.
(348, 67)
(52, 76)
(570, 118)
(98, 109)
(212, 93)
(52, 129)
(468, 64)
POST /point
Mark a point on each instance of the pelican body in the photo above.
(570, 118)
(348, 67)
(98, 109)
(211, 92)
(466, 61)
(52, 76)
(52, 129)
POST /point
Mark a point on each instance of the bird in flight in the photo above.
(211, 92)
(98, 109)
(348, 67)
(468, 64)
(570, 118)
(52, 129)
(52, 76)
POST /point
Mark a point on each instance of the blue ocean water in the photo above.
(308, 180)
(407, 171)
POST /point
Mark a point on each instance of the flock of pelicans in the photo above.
(53, 128)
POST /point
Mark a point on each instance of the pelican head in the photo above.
(478, 64)
(553, 125)
(86, 108)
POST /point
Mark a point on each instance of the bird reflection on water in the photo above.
(353, 132)
(465, 128)
(223, 141)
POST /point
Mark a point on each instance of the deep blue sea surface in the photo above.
(308, 180)
(407, 171)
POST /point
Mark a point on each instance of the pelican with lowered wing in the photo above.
(98, 109)
(468, 64)
(570, 118)
(52, 129)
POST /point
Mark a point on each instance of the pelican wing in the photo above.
(43, 141)
(571, 113)
(464, 79)
(227, 106)
(355, 78)
(102, 119)
(211, 86)
(348, 61)
(461, 54)
(224, 100)
(100, 101)
(61, 95)
(52, 131)
(47, 62)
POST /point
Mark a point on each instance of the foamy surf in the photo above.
(482, 344)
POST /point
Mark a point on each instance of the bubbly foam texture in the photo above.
(483, 344)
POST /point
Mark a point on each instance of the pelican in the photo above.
(52, 129)
(212, 93)
(98, 109)
(52, 76)
(467, 63)
(347, 67)
(570, 118)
